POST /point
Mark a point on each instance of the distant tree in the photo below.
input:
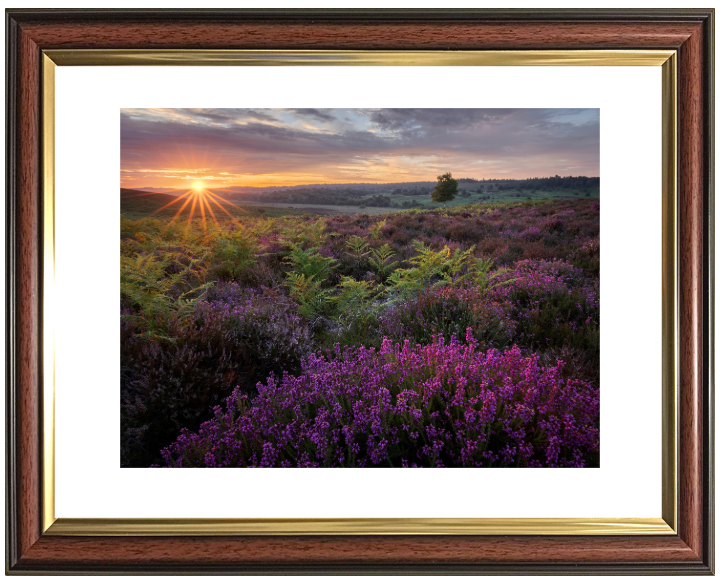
(445, 189)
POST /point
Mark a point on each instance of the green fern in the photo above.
(374, 230)
(484, 278)
(145, 287)
(380, 260)
(308, 292)
(311, 264)
(358, 246)
(260, 227)
(458, 267)
(233, 253)
(430, 267)
(427, 266)
(354, 303)
(300, 233)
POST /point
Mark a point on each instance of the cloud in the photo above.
(364, 144)
(313, 113)
(198, 115)
(452, 118)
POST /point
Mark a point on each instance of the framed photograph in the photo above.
(357, 256)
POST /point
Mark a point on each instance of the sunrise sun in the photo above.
(198, 186)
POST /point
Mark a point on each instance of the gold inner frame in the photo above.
(666, 525)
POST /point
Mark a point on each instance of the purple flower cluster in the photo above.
(448, 311)
(541, 279)
(443, 404)
(552, 302)
(531, 234)
(552, 268)
(236, 338)
(262, 321)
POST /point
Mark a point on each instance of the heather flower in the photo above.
(442, 404)
(448, 311)
(552, 303)
(233, 339)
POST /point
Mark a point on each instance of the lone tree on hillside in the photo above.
(445, 189)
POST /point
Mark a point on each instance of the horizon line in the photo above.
(210, 187)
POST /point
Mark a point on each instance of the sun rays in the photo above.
(201, 200)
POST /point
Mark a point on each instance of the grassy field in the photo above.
(320, 209)
(514, 195)
(425, 202)
(136, 204)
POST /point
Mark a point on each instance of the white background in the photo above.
(640, 191)
(88, 100)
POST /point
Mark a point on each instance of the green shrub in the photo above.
(431, 267)
(310, 264)
(148, 289)
(355, 310)
(381, 260)
(232, 254)
(308, 292)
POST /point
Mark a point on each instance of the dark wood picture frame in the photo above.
(690, 32)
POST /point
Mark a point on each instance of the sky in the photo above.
(225, 147)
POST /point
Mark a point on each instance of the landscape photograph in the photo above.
(335, 287)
